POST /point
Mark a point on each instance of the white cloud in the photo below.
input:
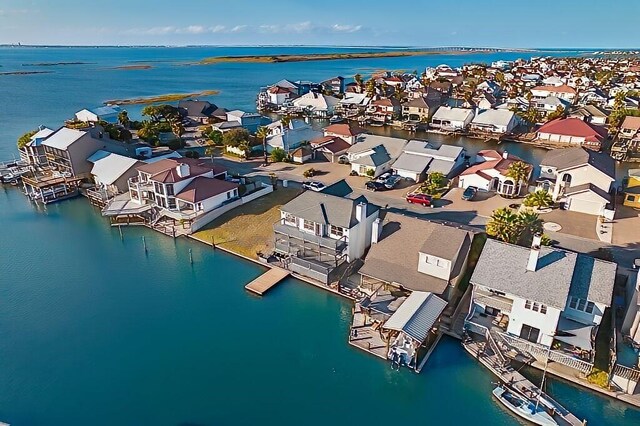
(346, 28)
(305, 27)
(238, 28)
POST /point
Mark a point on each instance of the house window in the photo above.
(581, 304)
(290, 219)
(228, 195)
(536, 307)
(336, 230)
(169, 189)
(543, 309)
(309, 226)
(590, 306)
(172, 203)
(631, 198)
(527, 304)
(573, 303)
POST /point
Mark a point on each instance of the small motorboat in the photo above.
(336, 119)
(522, 407)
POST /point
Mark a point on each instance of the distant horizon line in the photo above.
(339, 46)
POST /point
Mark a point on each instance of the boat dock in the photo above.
(490, 357)
(266, 281)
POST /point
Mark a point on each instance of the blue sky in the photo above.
(498, 23)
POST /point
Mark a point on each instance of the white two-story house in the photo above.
(579, 178)
(542, 295)
(318, 232)
(181, 188)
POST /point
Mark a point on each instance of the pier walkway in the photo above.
(266, 281)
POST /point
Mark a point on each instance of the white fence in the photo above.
(266, 189)
(542, 351)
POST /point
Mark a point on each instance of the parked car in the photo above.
(314, 185)
(469, 193)
(343, 159)
(383, 177)
(423, 199)
(392, 181)
(373, 185)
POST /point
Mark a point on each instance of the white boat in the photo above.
(523, 407)
(336, 119)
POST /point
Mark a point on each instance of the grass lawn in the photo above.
(249, 228)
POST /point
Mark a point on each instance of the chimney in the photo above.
(183, 170)
(376, 230)
(505, 155)
(534, 254)
(360, 211)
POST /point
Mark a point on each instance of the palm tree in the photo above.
(519, 172)
(529, 224)
(539, 198)
(503, 225)
(262, 133)
(123, 118)
(286, 120)
(244, 146)
(358, 79)
(177, 128)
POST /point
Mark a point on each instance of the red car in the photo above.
(423, 199)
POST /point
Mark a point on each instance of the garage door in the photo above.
(407, 174)
(585, 206)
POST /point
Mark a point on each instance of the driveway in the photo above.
(484, 203)
(626, 226)
(573, 223)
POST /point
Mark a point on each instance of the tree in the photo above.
(210, 149)
(177, 128)
(25, 139)
(245, 148)
(519, 172)
(235, 137)
(358, 79)
(285, 121)
(123, 118)
(153, 112)
(215, 136)
(539, 198)
(515, 228)
(149, 131)
(262, 133)
(433, 183)
(503, 225)
(370, 87)
(278, 155)
(559, 112)
(529, 224)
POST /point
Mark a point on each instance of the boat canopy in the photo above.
(417, 315)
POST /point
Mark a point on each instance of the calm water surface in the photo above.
(95, 331)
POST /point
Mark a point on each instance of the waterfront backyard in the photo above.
(248, 229)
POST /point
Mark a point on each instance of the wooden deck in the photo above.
(266, 281)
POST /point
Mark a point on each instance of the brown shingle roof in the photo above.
(202, 188)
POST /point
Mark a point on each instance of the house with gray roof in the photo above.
(373, 154)
(318, 232)
(416, 255)
(451, 119)
(543, 295)
(420, 158)
(579, 178)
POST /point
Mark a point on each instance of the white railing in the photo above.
(542, 351)
(627, 373)
(484, 331)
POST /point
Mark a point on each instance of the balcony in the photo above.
(293, 233)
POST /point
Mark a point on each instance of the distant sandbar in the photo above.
(169, 97)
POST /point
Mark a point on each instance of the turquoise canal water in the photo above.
(95, 331)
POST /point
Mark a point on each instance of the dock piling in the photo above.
(190, 257)
(120, 230)
(144, 244)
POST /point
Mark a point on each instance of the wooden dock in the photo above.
(269, 279)
(498, 365)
